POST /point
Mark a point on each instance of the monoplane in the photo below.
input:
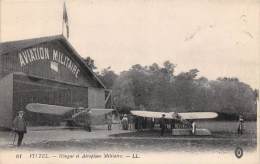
(73, 116)
(184, 120)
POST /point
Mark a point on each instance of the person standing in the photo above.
(172, 124)
(194, 128)
(153, 123)
(88, 122)
(19, 127)
(240, 125)
(131, 122)
(109, 121)
(125, 122)
(162, 124)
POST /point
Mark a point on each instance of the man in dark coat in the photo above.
(163, 124)
(19, 126)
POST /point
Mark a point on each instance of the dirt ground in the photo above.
(60, 138)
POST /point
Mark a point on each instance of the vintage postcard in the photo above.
(129, 81)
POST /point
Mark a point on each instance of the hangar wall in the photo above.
(28, 89)
(96, 97)
(6, 101)
(45, 70)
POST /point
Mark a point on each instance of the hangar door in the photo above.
(46, 92)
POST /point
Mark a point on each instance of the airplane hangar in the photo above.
(45, 70)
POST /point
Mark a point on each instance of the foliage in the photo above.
(90, 62)
(108, 77)
(157, 88)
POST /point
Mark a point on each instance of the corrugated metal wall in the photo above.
(6, 101)
(35, 90)
(96, 97)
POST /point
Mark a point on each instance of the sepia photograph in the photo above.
(129, 81)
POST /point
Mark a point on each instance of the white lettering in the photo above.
(28, 56)
(22, 63)
(35, 53)
(77, 72)
(40, 53)
(32, 55)
(25, 57)
(54, 55)
(47, 56)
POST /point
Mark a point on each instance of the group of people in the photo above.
(163, 125)
(127, 122)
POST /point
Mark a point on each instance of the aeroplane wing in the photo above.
(150, 114)
(198, 115)
(173, 115)
(96, 112)
(48, 109)
(93, 112)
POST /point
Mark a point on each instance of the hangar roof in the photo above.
(7, 47)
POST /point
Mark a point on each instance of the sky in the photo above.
(217, 37)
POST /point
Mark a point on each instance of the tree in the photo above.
(185, 88)
(156, 88)
(233, 96)
(108, 77)
(150, 85)
(90, 62)
(123, 93)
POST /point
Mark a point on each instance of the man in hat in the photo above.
(162, 124)
(19, 127)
